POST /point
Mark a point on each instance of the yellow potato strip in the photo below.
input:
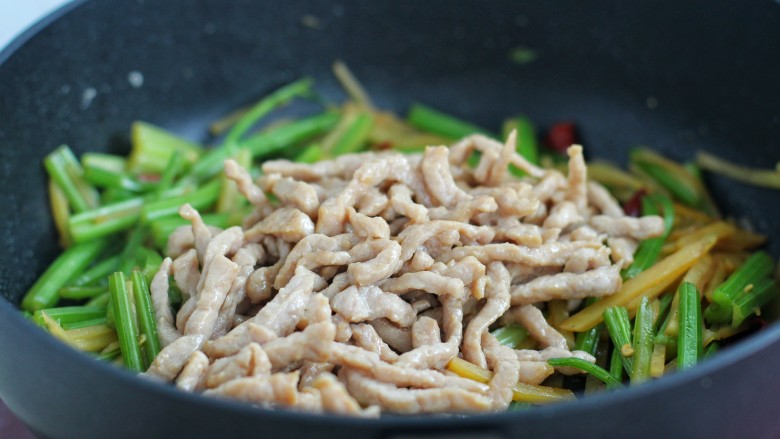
(681, 231)
(657, 361)
(60, 211)
(684, 212)
(522, 392)
(55, 329)
(741, 240)
(719, 229)
(723, 332)
(92, 338)
(650, 283)
(612, 176)
(558, 312)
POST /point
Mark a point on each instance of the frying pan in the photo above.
(676, 76)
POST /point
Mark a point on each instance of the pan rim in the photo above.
(733, 354)
(20, 39)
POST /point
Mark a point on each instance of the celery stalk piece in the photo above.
(313, 153)
(274, 100)
(109, 162)
(588, 367)
(105, 220)
(97, 272)
(758, 266)
(146, 318)
(527, 145)
(616, 364)
(105, 178)
(81, 293)
(133, 241)
(263, 144)
(125, 322)
(172, 170)
(643, 342)
(153, 147)
(588, 341)
(201, 198)
(43, 294)
(751, 302)
(619, 328)
(354, 135)
(66, 171)
(101, 300)
(230, 198)
(689, 341)
(672, 176)
(434, 121)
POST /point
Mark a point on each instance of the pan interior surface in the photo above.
(675, 77)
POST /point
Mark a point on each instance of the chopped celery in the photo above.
(437, 122)
(153, 147)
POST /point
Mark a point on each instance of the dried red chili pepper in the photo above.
(561, 136)
(381, 146)
(633, 207)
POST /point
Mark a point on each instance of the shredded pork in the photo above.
(353, 287)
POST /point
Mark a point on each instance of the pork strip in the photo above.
(360, 304)
(251, 360)
(192, 375)
(533, 320)
(186, 273)
(166, 331)
(497, 294)
(637, 228)
(171, 359)
(600, 282)
(368, 391)
(336, 399)
(220, 276)
(365, 336)
(506, 371)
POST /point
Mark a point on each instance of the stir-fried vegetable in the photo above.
(649, 250)
(689, 344)
(146, 319)
(588, 367)
(757, 268)
(522, 392)
(125, 322)
(527, 145)
(757, 177)
(650, 283)
(114, 215)
(437, 122)
(642, 342)
(67, 173)
(69, 264)
(619, 327)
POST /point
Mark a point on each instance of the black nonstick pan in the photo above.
(676, 76)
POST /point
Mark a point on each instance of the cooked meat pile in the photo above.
(353, 289)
